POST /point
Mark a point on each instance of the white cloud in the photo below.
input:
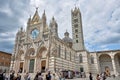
(99, 18)
(5, 9)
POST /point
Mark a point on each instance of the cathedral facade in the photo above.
(39, 48)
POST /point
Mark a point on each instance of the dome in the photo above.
(67, 38)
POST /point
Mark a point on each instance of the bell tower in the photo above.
(77, 31)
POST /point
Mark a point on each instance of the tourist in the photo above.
(1, 76)
(48, 76)
(18, 77)
(53, 77)
(98, 77)
(39, 76)
(27, 76)
(90, 76)
(36, 76)
(12, 75)
(104, 76)
(60, 76)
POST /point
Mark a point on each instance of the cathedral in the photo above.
(39, 48)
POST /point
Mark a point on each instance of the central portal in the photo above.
(43, 65)
(21, 67)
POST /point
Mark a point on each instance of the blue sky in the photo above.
(100, 18)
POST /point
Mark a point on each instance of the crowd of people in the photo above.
(11, 76)
(38, 76)
(48, 76)
(102, 76)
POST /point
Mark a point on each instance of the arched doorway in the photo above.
(21, 67)
(41, 59)
(20, 57)
(43, 65)
(105, 63)
(30, 60)
(117, 62)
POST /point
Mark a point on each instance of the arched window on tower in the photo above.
(76, 30)
(76, 36)
(76, 25)
(92, 60)
(59, 51)
(75, 20)
(76, 41)
(80, 58)
(65, 53)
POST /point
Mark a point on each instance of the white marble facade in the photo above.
(39, 48)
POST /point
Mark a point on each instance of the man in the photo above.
(90, 76)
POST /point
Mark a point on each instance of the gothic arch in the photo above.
(40, 51)
(30, 52)
(103, 54)
(19, 54)
(105, 62)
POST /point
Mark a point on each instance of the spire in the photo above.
(44, 19)
(36, 12)
(75, 11)
(44, 12)
(53, 18)
(21, 29)
(54, 27)
(36, 17)
(44, 16)
(29, 19)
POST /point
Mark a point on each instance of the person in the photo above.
(48, 76)
(18, 77)
(36, 76)
(104, 76)
(12, 75)
(90, 76)
(53, 77)
(60, 76)
(98, 77)
(27, 76)
(1, 76)
(39, 76)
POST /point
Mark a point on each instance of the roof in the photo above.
(105, 51)
(5, 53)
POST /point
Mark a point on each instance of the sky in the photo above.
(100, 20)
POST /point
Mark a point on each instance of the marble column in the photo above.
(114, 66)
(35, 66)
(24, 66)
(38, 64)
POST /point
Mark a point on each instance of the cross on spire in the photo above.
(37, 8)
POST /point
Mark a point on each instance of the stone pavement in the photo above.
(109, 78)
